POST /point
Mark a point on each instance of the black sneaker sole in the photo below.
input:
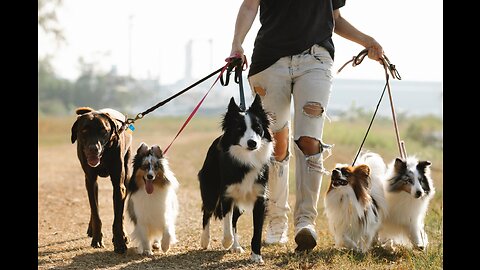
(305, 241)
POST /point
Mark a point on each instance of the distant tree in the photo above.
(47, 18)
(54, 94)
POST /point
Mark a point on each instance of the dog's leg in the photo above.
(145, 245)
(95, 224)
(205, 241)
(258, 218)
(168, 237)
(418, 237)
(119, 194)
(236, 247)
(227, 230)
(349, 243)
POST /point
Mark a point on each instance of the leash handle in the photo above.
(238, 62)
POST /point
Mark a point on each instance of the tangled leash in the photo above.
(388, 67)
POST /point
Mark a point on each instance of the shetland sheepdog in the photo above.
(355, 203)
(234, 175)
(152, 200)
(408, 191)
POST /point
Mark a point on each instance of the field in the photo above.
(63, 211)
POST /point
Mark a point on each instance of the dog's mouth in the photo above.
(93, 160)
(339, 182)
(148, 185)
(338, 179)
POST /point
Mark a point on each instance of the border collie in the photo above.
(152, 200)
(234, 175)
(355, 203)
(408, 190)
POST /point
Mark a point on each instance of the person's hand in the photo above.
(237, 51)
(375, 51)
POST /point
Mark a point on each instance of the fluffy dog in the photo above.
(152, 200)
(103, 149)
(408, 191)
(234, 175)
(355, 204)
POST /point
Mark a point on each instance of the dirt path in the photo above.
(63, 216)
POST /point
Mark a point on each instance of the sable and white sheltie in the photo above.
(408, 191)
(355, 203)
(234, 175)
(152, 200)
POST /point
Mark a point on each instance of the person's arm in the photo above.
(344, 29)
(246, 15)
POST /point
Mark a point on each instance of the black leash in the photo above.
(130, 121)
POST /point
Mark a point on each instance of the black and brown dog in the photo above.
(103, 148)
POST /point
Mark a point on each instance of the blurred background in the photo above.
(131, 54)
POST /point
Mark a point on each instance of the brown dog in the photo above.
(103, 148)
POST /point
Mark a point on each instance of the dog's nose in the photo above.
(418, 194)
(252, 144)
(149, 176)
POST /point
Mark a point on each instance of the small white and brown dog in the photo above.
(152, 203)
(408, 191)
(355, 203)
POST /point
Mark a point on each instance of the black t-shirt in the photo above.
(290, 27)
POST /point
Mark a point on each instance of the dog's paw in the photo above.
(389, 246)
(165, 243)
(97, 243)
(420, 247)
(236, 249)
(148, 252)
(227, 241)
(257, 258)
(156, 244)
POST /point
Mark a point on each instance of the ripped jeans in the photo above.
(308, 78)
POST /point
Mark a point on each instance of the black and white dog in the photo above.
(235, 173)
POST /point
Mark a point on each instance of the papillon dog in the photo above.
(152, 200)
(408, 191)
(234, 175)
(355, 203)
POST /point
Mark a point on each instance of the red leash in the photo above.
(232, 60)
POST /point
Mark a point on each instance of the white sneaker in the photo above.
(277, 231)
(305, 237)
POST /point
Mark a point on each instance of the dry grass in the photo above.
(63, 211)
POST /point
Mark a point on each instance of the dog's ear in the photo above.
(83, 110)
(400, 166)
(422, 165)
(157, 151)
(257, 109)
(113, 126)
(362, 172)
(74, 131)
(256, 104)
(142, 149)
(232, 106)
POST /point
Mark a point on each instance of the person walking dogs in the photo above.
(293, 57)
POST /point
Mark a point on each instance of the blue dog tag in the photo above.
(131, 127)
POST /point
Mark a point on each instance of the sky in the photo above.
(148, 37)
